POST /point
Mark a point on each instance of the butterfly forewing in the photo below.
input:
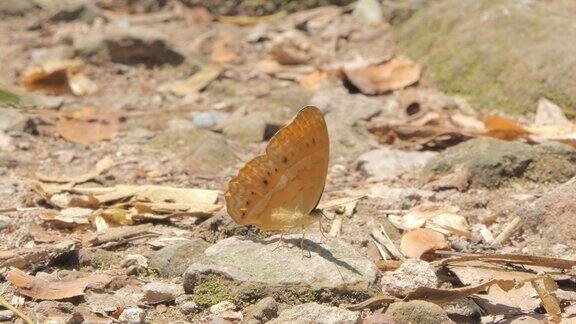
(289, 177)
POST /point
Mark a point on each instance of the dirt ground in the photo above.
(131, 120)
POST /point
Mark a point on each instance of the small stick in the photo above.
(394, 211)
(15, 310)
(118, 233)
(383, 253)
(508, 231)
(385, 240)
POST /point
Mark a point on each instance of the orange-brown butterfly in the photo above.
(279, 190)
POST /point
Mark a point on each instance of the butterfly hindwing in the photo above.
(289, 177)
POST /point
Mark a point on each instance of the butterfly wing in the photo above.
(288, 181)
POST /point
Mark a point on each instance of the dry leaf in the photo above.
(504, 129)
(419, 241)
(459, 179)
(443, 296)
(511, 258)
(313, 81)
(40, 235)
(195, 83)
(373, 302)
(292, 49)
(395, 74)
(439, 217)
(69, 216)
(58, 77)
(87, 126)
(39, 288)
(102, 166)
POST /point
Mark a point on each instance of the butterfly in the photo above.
(279, 190)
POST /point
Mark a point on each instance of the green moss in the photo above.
(507, 64)
(211, 291)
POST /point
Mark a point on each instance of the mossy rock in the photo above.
(501, 54)
(493, 163)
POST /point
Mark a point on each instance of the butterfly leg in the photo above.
(322, 231)
(302, 244)
(280, 242)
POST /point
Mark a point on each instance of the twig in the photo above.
(486, 234)
(506, 258)
(508, 231)
(394, 211)
(382, 237)
(118, 233)
(15, 310)
(14, 209)
(383, 253)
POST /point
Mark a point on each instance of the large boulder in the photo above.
(332, 265)
(503, 54)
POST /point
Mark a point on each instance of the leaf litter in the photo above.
(312, 49)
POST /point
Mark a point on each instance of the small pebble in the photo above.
(132, 315)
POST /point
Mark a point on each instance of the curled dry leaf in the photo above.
(195, 83)
(419, 241)
(58, 77)
(504, 129)
(102, 166)
(395, 74)
(39, 288)
(441, 218)
(442, 296)
(88, 125)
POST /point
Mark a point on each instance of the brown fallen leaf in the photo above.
(511, 258)
(39, 288)
(373, 302)
(442, 296)
(58, 77)
(195, 83)
(88, 125)
(419, 241)
(41, 235)
(439, 217)
(395, 74)
(102, 166)
(504, 129)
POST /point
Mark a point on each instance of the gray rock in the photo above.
(418, 312)
(411, 275)
(464, 310)
(386, 163)
(312, 313)
(263, 311)
(11, 119)
(331, 265)
(6, 315)
(515, 72)
(156, 292)
(199, 151)
(5, 222)
(171, 261)
(189, 308)
(209, 119)
(247, 129)
(132, 315)
(553, 215)
(344, 114)
(130, 46)
(493, 163)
